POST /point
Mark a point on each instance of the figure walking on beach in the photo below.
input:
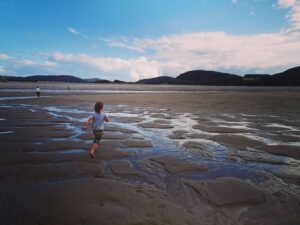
(96, 122)
(37, 91)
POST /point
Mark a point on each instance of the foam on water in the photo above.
(123, 114)
(70, 118)
(262, 139)
(248, 115)
(63, 110)
(243, 123)
(281, 126)
(237, 127)
(184, 122)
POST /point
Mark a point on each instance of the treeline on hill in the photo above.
(290, 77)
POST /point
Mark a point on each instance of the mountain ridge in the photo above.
(289, 77)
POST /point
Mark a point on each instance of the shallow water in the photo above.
(195, 144)
(160, 137)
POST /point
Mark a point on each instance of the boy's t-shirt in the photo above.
(98, 121)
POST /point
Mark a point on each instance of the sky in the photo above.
(136, 39)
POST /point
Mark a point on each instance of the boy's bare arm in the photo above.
(106, 119)
(88, 124)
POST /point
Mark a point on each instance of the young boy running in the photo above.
(96, 122)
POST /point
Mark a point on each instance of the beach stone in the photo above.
(175, 165)
(236, 141)
(283, 150)
(227, 191)
(123, 168)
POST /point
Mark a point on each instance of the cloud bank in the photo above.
(176, 53)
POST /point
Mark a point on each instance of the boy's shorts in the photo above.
(97, 136)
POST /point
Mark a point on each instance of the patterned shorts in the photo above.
(97, 136)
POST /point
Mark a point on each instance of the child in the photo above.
(96, 122)
(37, 91)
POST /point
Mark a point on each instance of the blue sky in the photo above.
(134, 39)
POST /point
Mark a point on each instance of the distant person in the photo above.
(38, 91)
(69, 87)
(96, 122)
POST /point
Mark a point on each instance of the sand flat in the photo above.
(194, 161)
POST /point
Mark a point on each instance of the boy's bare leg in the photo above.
(92, 152)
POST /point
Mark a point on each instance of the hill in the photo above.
(158, 80)
(289, 77)
(204, 77)
(51, 78)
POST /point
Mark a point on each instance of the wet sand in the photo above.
(209, 157)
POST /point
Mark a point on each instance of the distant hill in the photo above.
(102, 81)
(204, 77)
(2, 79)
(257, 79)
(120, 82)
(158, 80)
(289, 77)
(256, 76)
(92, 80)
(51, 78)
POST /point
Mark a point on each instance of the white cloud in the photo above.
(234, 1)
(4, 57)
(286, 3)
(294, 14)
(74, 31)
(217, 50)
(131, 69)
(122, 44)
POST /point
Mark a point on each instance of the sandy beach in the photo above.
(175, 155)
